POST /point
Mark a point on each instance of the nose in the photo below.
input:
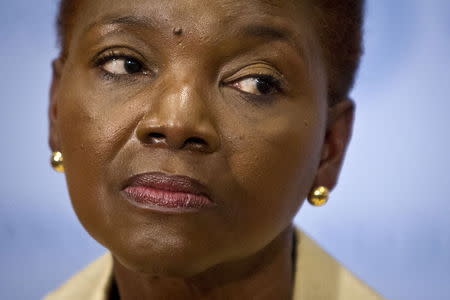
(179, 119)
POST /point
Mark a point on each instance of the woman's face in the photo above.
(229, 93)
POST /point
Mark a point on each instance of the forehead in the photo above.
(196, 16)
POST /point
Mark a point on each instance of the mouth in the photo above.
(158, 191)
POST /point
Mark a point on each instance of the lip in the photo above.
(167, 193)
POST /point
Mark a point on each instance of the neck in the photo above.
(267, 274)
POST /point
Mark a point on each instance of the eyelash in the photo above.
(112, 55)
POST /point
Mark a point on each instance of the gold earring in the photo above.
(318, 196)
(56, 160)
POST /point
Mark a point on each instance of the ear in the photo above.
(53, 105)
(337, 138)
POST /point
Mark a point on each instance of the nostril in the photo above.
(195, 143)
(155, 137)
(195, 140)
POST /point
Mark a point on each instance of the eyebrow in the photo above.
(273, 33)
(124, 20)
(265, 31)
(256, 30)
(133, 20)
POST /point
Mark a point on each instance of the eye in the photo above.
(117, 63)
(257, 84)
(122, 65)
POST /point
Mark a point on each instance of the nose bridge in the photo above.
(179, 117)
(183, 105)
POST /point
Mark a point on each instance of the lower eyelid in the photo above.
(110, 76)
(124, 78)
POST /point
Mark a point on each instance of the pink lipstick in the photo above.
(172, 192)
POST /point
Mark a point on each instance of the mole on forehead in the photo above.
(177, 31)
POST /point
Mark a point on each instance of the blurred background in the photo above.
(388, 220)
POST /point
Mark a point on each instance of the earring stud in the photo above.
(318, 196)
(57, 162)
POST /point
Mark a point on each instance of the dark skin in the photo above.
(163, 87)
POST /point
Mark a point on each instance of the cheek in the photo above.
(274, 165)
(91, 134)
(95, 122)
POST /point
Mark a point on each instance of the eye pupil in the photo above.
(264, 86)
(132, 66)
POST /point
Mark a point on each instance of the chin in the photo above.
(176, 253)
(172, 263)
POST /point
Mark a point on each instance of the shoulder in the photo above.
(91, 283)
(320, 276)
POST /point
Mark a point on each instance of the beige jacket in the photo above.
(326, 279)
